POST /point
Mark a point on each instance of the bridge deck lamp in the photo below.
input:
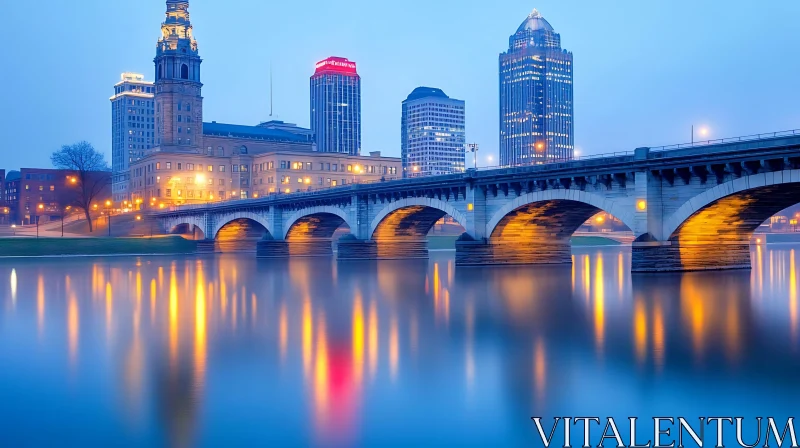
(641, 205)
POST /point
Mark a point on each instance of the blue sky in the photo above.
(645, 71)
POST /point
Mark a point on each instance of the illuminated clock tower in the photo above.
(178, 97)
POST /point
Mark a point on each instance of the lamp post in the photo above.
(473, 148)
(108, 216)
(14, 229)
(703, 132)
(63, 214)
(39, 209)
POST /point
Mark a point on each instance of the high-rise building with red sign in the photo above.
(336, 106)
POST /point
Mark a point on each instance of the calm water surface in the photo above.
(230, 350)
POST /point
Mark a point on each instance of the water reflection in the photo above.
(311, 352)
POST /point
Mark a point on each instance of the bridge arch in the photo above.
(315, 222)
(186, 224)
(733, 210)
(226, 219)
(567, 211)
(412, 217)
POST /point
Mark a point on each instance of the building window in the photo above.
(190, 166)
(243, 168)
(210, 168)
(158, 166)
(169, 165)
(169, 192)
(235, 168)
(184, 71)
(222, 168)
(271, 165)
(179, 166)
(308, 166)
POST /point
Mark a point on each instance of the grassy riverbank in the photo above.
(35, 247)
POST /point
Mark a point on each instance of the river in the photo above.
(232, 351)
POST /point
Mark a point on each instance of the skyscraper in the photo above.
(536, 107)
(179, 100)
(132, 128)
(336, 106)
(432, 133)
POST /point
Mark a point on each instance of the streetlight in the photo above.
(40, 208)
(63, 213)
(703, 131)
(14, 229)
(473, 148)
(108, 218)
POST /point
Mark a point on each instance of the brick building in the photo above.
(54, 190)
(5, 212)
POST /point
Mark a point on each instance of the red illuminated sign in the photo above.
(336, 65)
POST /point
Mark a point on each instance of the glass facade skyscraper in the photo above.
(132, 129)
(432, 133)
(536, 103)
(336, 106)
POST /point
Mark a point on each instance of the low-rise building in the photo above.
(5, 211)
(44, 192)
(241, 162)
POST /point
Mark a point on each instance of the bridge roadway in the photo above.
(690, 208)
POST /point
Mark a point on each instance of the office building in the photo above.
(432, 133)
(132, 128)
(197, 162)
(536, 104)
(336, 106)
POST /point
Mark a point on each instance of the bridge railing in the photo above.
(535, 165)
(574, 161)
(720, 141)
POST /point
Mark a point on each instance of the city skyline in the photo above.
(694, 77)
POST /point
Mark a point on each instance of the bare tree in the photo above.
(91, 178)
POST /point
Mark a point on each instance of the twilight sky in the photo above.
(645, 71)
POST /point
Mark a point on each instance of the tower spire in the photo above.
(179, 102)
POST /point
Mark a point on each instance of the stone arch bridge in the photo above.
(690, 208)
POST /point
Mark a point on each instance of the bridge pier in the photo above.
(272, 249)
(401, 249)
(206, 246)
(318, 247)
(481, 253)
(672, 256)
